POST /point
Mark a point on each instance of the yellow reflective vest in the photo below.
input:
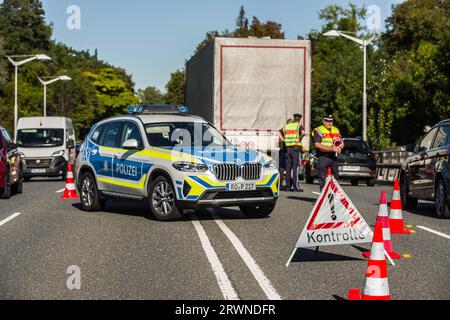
(328, 137)
(292, 135)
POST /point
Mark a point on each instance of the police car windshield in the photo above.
(35, 138)
(184, 134)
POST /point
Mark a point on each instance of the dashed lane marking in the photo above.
(15, 215)
(222, 278)
(262, 280)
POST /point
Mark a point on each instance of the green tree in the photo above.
(113, 93)
(150, 95)
(22, 24)
(413, 69)
(242, 29)
(267, 29)
(175, 88)
(338, 69)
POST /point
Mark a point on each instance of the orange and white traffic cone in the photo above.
(70, 193)
(383, 218)
(396, 215)
(377, 284)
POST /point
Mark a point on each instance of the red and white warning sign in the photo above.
(334, 221)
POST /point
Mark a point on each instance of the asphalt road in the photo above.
(123, 253)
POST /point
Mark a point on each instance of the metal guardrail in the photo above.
(389, 163)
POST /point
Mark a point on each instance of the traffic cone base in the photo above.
(397, 227)
(354, 294)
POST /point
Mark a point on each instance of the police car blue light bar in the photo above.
(157, 109)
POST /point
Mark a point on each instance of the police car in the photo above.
(175, 161)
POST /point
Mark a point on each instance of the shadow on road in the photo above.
(309, 255)
(312, 200)
(424, 209)
(141, 209)
(128, 209)
(223, 213)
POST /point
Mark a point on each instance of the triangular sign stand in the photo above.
(334, 221)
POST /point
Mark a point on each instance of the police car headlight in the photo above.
(190, 167)
(58, 153)
(271, 165)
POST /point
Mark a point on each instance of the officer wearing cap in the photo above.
(328, 143)
(293, 134)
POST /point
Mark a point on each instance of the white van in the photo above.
(48, 144)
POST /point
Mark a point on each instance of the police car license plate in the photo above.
(38, 171)
(241, 186)
(351, 168)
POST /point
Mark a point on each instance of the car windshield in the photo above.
(34, 138)
(184, 134)
(355, 146)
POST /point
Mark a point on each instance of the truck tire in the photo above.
(6, 193)
(162, 200)
(256, 211)
(89, 194)
(442, 207)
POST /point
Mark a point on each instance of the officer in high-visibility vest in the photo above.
(293, 135)
(328, 143)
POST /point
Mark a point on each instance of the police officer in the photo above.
(293, 135)
(328, 143)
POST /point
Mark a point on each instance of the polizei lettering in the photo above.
(126, 170)
(350, 235)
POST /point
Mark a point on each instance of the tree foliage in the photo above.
(338, 69)
(412, 71)
(150, 95)
(97, 89)
(175, 88)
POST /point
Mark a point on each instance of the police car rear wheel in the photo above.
(162, 200)
(89, 194)
(255, 211)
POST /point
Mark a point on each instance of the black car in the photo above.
(356, 162)
(426, 174)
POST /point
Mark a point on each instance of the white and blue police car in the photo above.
(175, 161)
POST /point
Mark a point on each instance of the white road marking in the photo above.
(316, 193)
(222, 278)
(10, 218)
(61, 191)
(435, 232)
(262, 280)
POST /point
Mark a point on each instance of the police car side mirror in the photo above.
(131, 144)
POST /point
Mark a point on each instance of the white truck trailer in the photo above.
(248, 88)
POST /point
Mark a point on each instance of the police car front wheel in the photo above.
(163, 201)
(90, 200)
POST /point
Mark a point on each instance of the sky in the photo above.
(151, 39)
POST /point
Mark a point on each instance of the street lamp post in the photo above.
(364, 43)
(46, 83)
(16, 64)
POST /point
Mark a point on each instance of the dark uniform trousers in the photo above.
(323, 163)
(292, 165)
